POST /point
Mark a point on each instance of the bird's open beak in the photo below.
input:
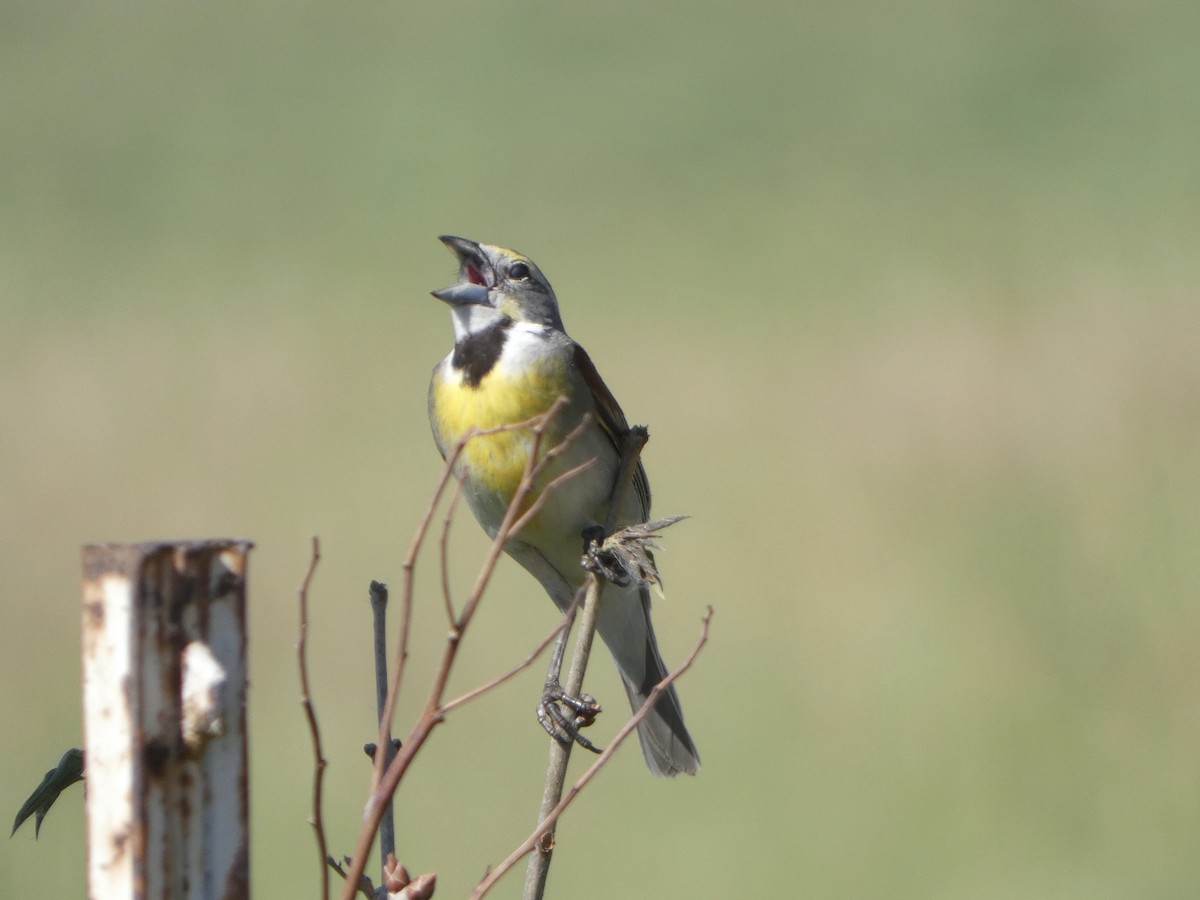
(475, 274)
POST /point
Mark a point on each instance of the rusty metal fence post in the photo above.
(164, 687)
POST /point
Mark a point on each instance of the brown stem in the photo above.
(310, 714)
(546, 827)
(385, 781)
(560, 752)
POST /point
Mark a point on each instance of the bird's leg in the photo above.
(561, 715)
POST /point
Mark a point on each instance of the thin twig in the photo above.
(560, 752)
(379, 603)
(385, 783)
(535, 465)
(364, 883)
(536, 506)
(310, 713)
(515, 670)
(545, 828)
(445, 554)
(389, 711)
(410, 560)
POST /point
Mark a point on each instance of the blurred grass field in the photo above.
(906, 294)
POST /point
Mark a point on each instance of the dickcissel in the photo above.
(512, 359)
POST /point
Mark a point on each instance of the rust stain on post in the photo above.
(167, 786)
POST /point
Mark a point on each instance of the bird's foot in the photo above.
(625, 557)
(600, 558)
(563, 715)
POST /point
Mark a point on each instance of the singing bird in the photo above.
(512, 359)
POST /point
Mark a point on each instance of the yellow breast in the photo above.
(496, 462)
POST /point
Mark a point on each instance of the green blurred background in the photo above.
(906, 293)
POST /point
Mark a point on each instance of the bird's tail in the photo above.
(624, 624)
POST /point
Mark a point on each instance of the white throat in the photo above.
(472, 319)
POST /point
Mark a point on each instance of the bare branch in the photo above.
(537, 423)
(385, 781)
(535, 464)
(310, 713)
(365, 887)
(540, 500)
(547, 825)
(560, 752)
(406, 602)
(379, 604)
(515, 670)
(445, 554)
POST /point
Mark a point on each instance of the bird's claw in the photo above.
(600, 560)
(562, 716)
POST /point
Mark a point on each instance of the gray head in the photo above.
(494, 282)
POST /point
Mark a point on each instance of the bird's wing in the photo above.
(612, 421)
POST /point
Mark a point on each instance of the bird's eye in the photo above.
(519, 271)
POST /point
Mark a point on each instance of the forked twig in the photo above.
(536, 506)
(547, 825)
(524, 664)
(410, 561)
(384, 782)
(364, 883)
